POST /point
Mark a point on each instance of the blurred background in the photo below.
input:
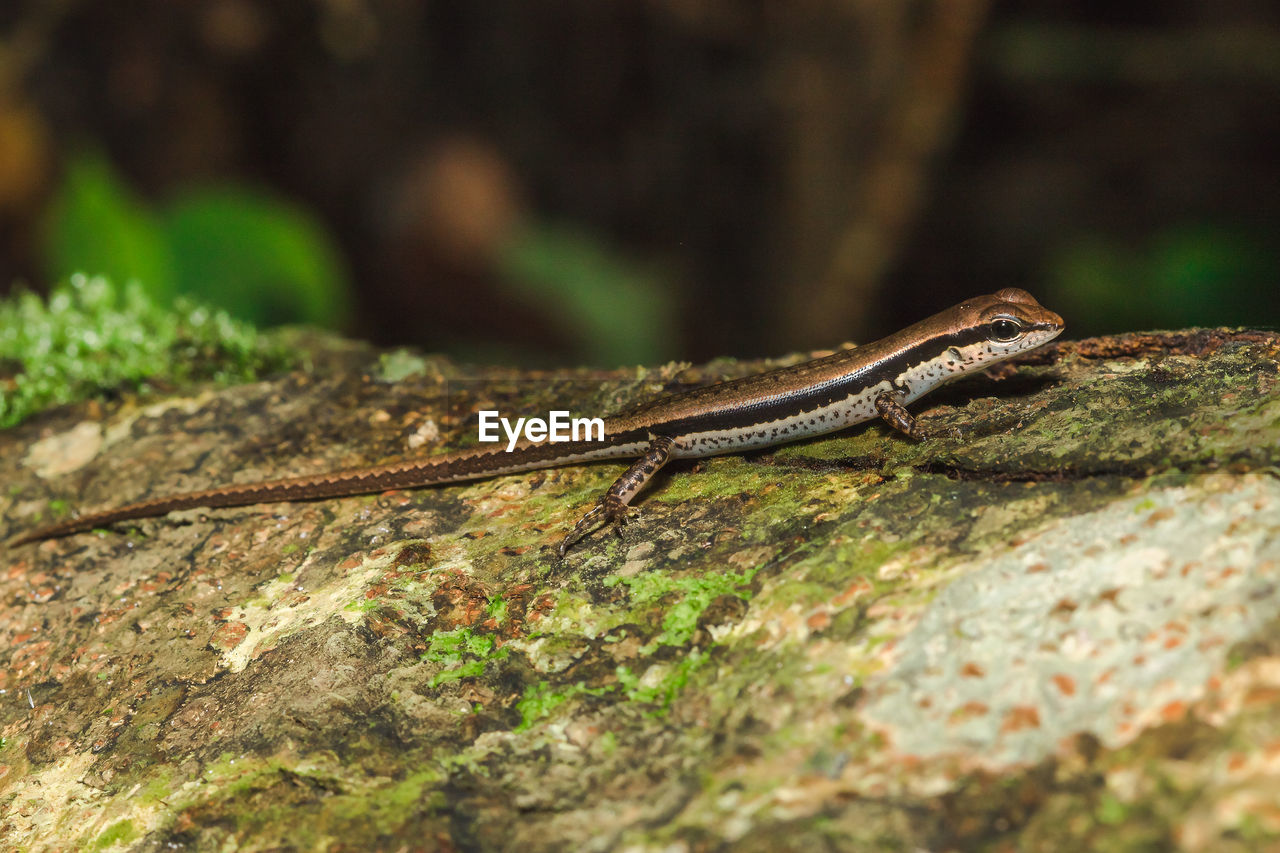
(606, 183)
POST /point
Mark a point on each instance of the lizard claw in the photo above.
(943, 432)
(613, 511)
(623, 521)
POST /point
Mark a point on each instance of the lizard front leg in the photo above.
(896, 415)
(613, 506)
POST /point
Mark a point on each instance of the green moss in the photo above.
(540, 700)
(470, 669)
(258, 797)
(465, 653)
(120, 832)
(362, 605)
(1111, 811)
(854, 557)
(497, 609)
(391, 805)
(664, 689)
(399, 365)
(692, 595)
(92, 337)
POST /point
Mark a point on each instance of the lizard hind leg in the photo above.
(615, 504)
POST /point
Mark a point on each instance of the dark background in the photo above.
(606, 182)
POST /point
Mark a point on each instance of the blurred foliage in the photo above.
(259, 258)
(93, 337)
(97, 226)
(621, 313)
(1203, 275)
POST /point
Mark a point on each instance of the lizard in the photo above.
(787, 404)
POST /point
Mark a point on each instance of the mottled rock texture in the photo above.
(1059, 630)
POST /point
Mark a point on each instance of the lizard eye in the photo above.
(1004, 330)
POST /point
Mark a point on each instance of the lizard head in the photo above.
(985, 329)
(1007, 322)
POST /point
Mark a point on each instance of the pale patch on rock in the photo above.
(276, 612)
(1110, 623)
(66, 451)
(427, 433)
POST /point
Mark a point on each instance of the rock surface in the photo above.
(1058, 631)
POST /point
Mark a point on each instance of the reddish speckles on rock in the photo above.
(350, 563)
(1264, 695)
(228, 636)
(819, 620)
(1066, 684)
(1064, 607)
(968, 711)
(1173, 711)
(1037, 568)
(1158, 516)
(460, 600)
(29, 656)
(381, 627)
(500, 511)
(853, 592)
(972, 670)
(541, 607)
(1019, 718)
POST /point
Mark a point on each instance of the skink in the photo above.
(809, 399)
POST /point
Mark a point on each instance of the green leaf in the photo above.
(97, 225)
(260, 258)
(621, 311)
